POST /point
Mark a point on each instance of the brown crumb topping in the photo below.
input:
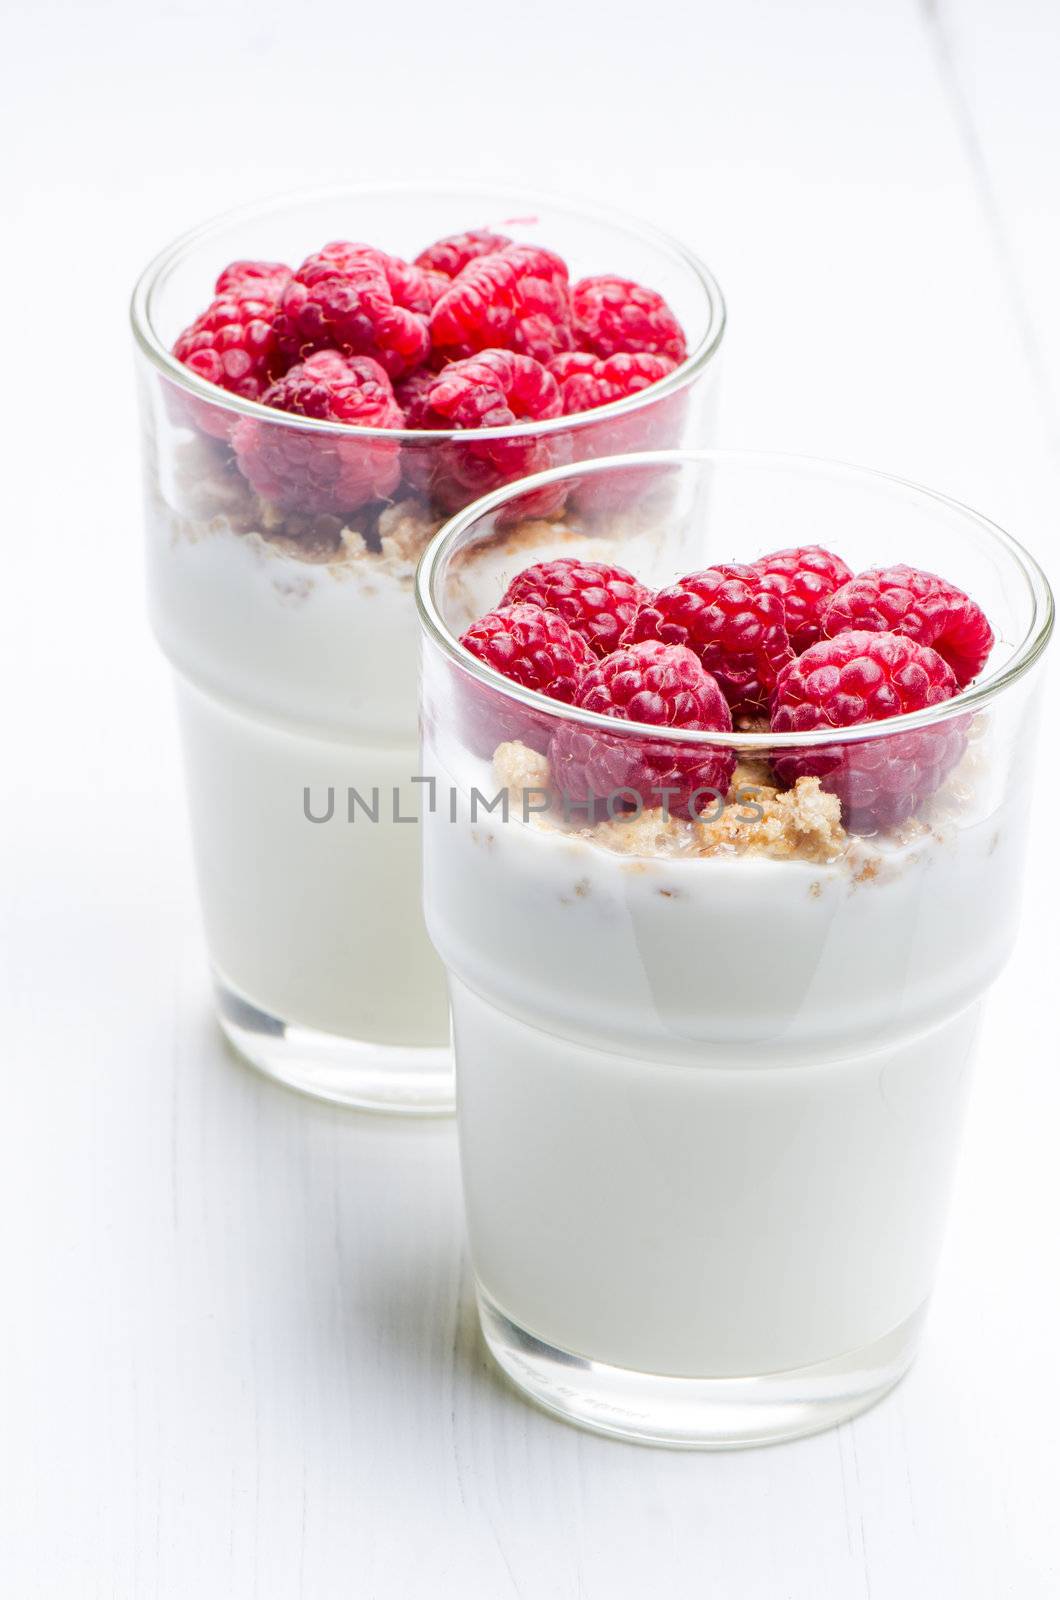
(209, 488)
(211, 496)
(803, 823)
(652, 833)
(316, 539)
(517, 768)
(404, 530)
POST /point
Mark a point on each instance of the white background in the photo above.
(237, 1353)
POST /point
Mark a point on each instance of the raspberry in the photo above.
(860, 677)
(613, 315)
(805, 577)
(451, 254)
(436, 284)
(585, 381)
(598, 601)
(413, 386)
(496, 389)
(489, 390)
(533, 647)
(407, 283)
(232, 344)
(359, 301)
(516, 299)
(920, 606)
(661, 684)
(313, 472)
(734, 624)
(264, 280)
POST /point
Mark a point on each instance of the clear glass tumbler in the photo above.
(710, 1073)
(290, 624)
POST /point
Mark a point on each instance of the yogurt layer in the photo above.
(709, 1103)
(296, 646)
(297, 684)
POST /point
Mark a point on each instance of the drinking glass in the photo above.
(291, 628)
(711, 1066)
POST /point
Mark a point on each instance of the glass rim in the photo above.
(155, 275)
(966, 701)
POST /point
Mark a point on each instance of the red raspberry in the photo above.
(263, 280)
(861, 677)
(734, 624)
(407, 283)
(533, 647)
(451, 254)
(436, 284)
(585, 381)
(413, 386)
(313, 472)
(666, 686)
(805, 577)
(359, 301)
(613, 315)
(597, 600)
(517, 299)
(496, 389)
(233, 345)
(920, 606)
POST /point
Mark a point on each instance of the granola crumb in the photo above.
(751, 772)
(208, 488)
(404, 530)
(803, 823)
(517, 768)
(308, 538)
(652, 833)
(353, 544)
(211, 496)
(909, 831)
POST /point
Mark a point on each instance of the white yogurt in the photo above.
(709, 1107)
(295, 676)
(317, 922)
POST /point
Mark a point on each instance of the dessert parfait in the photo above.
(723, 861)
(368, 364)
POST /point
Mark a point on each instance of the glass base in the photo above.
(698, 1413)
(412, 1080)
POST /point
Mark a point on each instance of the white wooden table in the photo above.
(237, 1352)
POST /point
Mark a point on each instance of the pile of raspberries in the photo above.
(793, 641)
(477, 332)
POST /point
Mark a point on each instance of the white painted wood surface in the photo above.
(237, 1354)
